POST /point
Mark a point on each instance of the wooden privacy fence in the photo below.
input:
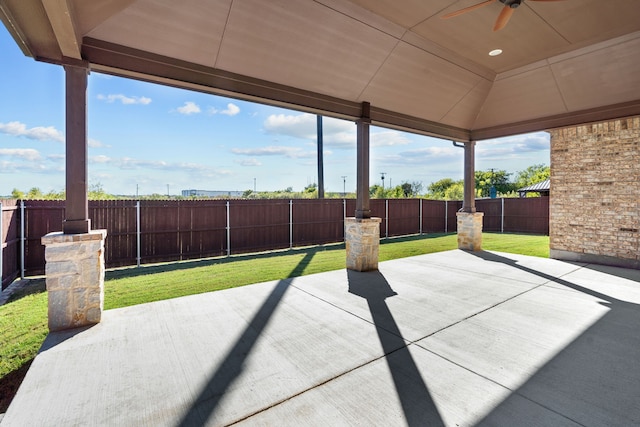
(140, 232)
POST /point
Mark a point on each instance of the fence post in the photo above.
(502, 217)
(446, 216)
(421, 216)
(290, 224)
(344, 217)
(386, 219)
(23, 239)
(138, 231)
(1, 244)
(228, 231)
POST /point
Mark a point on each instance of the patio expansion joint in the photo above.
(320, 384)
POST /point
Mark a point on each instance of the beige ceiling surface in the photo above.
(563, 62)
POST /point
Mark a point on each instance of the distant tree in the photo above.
(455, 191)
(532, 175)
(497, 178)
(34, 193)
(411, 189)
(17, 194)
(445, 189)
(96, 192)
(377, 192)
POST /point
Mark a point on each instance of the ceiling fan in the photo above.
(503, 18)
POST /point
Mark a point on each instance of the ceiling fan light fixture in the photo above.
(495, 52)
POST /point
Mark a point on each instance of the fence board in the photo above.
(527, 215)
(492, 208)
(259, 225)
(316, 222)
(404, 217)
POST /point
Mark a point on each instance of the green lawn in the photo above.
(23, 321)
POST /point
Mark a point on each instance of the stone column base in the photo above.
(470, 230)
(362, 238)
(75, 278)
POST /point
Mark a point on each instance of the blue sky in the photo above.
(151, 136)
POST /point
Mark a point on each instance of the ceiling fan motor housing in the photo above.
(511, 3)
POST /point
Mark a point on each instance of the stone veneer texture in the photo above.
(469, 230)
(362, 238)
(595, 192)
(75, 278)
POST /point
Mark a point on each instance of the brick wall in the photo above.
(595, 193)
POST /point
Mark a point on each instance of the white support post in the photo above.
(290, 224)
(23, 238)
(138, 231)
(228, 231)
(502, 217)
(386, 218)
(420, 216)
(1, 244)
(446, 216)
(344, 217)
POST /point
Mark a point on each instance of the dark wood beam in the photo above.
(362, 147)
(77, 206)
(469, 202)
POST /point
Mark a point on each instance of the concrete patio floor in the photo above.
(452, 338)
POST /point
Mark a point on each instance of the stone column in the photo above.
(470, 230)
(362, 237)
(75, 278)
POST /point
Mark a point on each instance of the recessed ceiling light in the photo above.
(495, 52)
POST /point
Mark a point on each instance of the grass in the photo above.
(23, 320)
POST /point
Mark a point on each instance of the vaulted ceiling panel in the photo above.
(612, 70)
(303, 44)
(416, 82)
(407, 13)
(577, 20)
(509, 99)
(190, 30)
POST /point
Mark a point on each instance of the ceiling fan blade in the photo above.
(503, 18)
(466, 9)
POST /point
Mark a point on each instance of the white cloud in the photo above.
(189, 108)
(335, 132)
(275, 150)
(514, 146)
(249, 162)
(99, 159)
(388, 138)
(94, 143)
(22, 153)
(423, 156)
(126, 100)
(231, 110)
(38, 133)
(129, 163)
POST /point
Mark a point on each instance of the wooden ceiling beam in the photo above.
(64, 27)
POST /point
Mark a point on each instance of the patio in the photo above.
(505, 340)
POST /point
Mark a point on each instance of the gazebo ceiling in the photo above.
(563, 62)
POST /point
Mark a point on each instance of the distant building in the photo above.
(541, 187)
(206, 193)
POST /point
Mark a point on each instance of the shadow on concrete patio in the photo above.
(206, 403)
(595, 379)
(417, 403)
